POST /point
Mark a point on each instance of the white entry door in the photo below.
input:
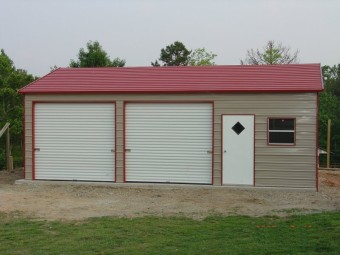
(238, 149)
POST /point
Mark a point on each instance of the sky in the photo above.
(39, 34)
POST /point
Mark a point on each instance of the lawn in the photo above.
(300, 234)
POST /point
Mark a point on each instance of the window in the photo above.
(281, 131)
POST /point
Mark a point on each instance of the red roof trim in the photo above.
(188, 79)
(170, 92)
(20, 90)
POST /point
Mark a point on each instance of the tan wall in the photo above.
(286, 166)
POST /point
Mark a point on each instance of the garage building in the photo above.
(215, 125)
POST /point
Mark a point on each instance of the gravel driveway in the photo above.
(78, 202)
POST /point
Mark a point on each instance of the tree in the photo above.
(329, 108)
(11, 103)
(95, 56)
(6, 66)
(117, 62)
(200, 57)
(331, 77)
(272, 54)
(53, 68)
(175, 54)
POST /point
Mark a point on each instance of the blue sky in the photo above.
(38, 34)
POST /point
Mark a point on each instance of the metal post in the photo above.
(329, 143)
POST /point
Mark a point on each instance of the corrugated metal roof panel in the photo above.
(260, 78)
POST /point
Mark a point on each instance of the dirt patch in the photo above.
(10, 177)
(77, 202)
(330, 178)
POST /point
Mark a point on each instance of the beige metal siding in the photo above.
(287, 166)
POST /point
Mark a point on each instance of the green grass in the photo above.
(302, 234)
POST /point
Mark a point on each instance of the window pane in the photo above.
(281, 137)
(281, 124)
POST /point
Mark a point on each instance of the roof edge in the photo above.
(174, 92)
(31, 83)
(193, 67)
(33, 87)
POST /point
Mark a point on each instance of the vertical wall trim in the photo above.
(115, 137)
(254, 172)
(24, 99)
(33, 140)
(317, 144)
(213, 142)
(124, 142)
(221, 142)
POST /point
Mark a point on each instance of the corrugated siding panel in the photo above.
(263, 105)
(277, 165)
(169, 143)
(74, 141)
(300, 77)
(28, 138)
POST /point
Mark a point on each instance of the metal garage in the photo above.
(168, 142)
(74, 141)
(215, 125)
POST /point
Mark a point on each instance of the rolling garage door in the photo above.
(74, 141)
(168, 142)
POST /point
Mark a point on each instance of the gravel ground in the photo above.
(78, 202)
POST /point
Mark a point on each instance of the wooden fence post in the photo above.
(9, 157)
(329, 143)
(8, 151)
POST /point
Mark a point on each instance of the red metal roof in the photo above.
(243, 78)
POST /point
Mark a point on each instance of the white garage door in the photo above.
(168, 142)
(74, 141)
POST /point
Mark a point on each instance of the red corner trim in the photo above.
(33, 140)
(213, 142)
(317, 144)
(24, 99)
(115, 136)
(124, 142)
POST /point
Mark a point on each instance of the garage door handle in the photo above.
(37, 149)
(209, 152)
(112, 150)
(225, 151)
(127, 150)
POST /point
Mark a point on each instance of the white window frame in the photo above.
(281, 131)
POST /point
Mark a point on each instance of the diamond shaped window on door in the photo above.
(238, 128)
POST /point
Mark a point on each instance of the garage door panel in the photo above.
(169, 142)
(74, 141)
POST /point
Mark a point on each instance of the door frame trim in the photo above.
(235, 114)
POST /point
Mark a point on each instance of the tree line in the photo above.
(175, 54)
